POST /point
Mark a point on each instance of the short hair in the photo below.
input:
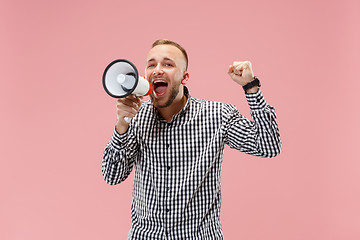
(164, 41)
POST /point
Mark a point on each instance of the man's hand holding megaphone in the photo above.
(122, 81)
(126, 107)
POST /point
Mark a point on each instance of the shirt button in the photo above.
(167, 210)
(167, 145)
(166, 233)
(168, 167)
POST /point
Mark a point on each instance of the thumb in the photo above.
(231, 69)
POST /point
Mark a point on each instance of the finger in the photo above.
(231, 69)
(248, 63)
(239, 69)
(243, 69)
(237, 63)
(124, 102)
(126, 111)
(247, 67)
(129, 101)
(240, 66)
(244, 65)
(127, 108)
(136, 99)
(139, 100)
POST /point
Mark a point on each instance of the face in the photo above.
(166, 71)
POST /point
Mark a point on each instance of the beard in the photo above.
(174, 91)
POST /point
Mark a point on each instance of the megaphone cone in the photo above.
(121, 78)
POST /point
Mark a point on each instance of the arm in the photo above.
(260, 137)
(121, 152)
(119, 157)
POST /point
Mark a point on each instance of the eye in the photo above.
(168, 65)
(151, 65)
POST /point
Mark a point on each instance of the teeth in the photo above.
(157, 81)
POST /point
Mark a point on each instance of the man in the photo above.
(175, 143)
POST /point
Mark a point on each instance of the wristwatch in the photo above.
(251, 84)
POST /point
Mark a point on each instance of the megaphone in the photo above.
(121, 78)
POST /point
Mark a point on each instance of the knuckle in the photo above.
(119, 106)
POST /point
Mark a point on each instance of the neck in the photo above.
(168, 112)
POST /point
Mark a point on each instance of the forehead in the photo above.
(161, 52)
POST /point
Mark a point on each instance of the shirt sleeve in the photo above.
(259, 137)
(119, 156)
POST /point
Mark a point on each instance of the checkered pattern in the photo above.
(176, 191)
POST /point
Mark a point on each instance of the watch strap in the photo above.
(255, 82)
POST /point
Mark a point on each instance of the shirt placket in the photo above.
(167, 184)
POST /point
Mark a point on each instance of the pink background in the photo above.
(56, 118)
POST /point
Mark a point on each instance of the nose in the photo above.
(158, 70)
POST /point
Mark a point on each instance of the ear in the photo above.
(185, 78)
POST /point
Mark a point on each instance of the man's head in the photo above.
(166, 70)
(172, 43)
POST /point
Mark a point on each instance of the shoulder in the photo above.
(212, 109)
(211, 104)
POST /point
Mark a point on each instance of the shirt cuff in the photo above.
(256, 100)
(117, 139)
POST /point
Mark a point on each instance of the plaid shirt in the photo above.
(176, 191)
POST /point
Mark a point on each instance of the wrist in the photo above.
(121, 128)
(253, 86)
(253, 89)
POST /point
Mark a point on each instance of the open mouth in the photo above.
(160, 87)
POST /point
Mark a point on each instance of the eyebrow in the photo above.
(165, 58)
